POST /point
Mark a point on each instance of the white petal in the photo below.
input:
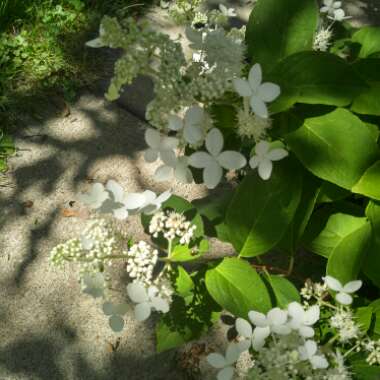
(194, 115)
(116, 190)
(259, 336)
(150, 196)
(262, 148)
(281, 329)
(212, 174)
(150, 155)
(254, 162)
(142, 311)
(168, 157)
(310, 347)
(192, 134)
(339, 14)
(225, 374)
(168, 143)
(153, 138)
(311, 315)
(120, 213)
(255, 76)
(258, 319)
(265, 169)
(134, 200)
(160, 304)
(243, 328)
(214, 142)
(333, 283)
(163, 173)
(175, 123)
(277, 154)
(183, 174)
(232, 353)
(137, 292)
(268, 92)
(163, 197)
(324, 9)
(344, 298)
(296, 311)
(244, 345)
(231, 160)
(216, 360)
(306, 331)
(276, 316)
(352, 286)
(319, 361)
(200, 160)
(95, 43)
(242, 87)
(258, 107)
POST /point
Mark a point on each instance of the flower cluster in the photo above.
(172, 225)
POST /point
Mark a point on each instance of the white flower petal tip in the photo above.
(95, 197)
(343, 295)
(258, 93)
(308, 352)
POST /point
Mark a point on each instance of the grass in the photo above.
(42, 51)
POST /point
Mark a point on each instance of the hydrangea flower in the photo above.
(190, 125)
(308, 352)
(115, 314)
(344, 292)
(95, 197)
(152, 202)
(213, 161)
(333, 10)
(159, 145)
(302, 320)
(258, 93)
(264, 157)
(146, 300)
(115, 203)
(227, 12)
(93, 284)
(225, 362)
(174, 166)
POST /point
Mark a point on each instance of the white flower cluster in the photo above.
(141, 261)
(343, 322)
(172, 225)
(373, 348)
(98, 245)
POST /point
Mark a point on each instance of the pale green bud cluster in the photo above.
(252, 126)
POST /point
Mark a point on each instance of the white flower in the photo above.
(115, 203)
(308, 352)
(343, 296)
(264, 157)
(228, 12)
(95, 197)
(274, 321)
(322, 39)
(225, 363)
(330, 6)
(213, 161)
(152, 202)
(159, 145)
(191, 125)
(146, 299)
(174, 166)
(258, 93)
(302, 320)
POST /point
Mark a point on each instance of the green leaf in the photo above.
(369, 38)
(369, 183)
(237, 287)
(325, 146)
(168, 338)
(331, 193)
(182, 253)
(363, 371)
(183, 283)
(368, 102)
(363, 317)
(303, 78)
(345, 260)
(260, 211)
(278, 28)
(371, 263)
(284, 291)
(375, 305)
(327, 231)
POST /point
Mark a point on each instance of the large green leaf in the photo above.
(368, 102)
(261, 211)
(326, 231)
(315, 78)
(337, 147)
(284, 291)
(168, 338)
(345, 260)
(278, 28)
(237, 287)
(371, 265)
(369, 38)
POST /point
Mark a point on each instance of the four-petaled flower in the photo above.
(159, 145)
(343, 295)
(174, 166)
(308, 352)
(301, 320)
(258, 93)
(190, 125)
(264, 157)
(225, 363)
(152, 202)
(146, 300)
(215, 160)
(227, 12)
(95, 197)
(333, 10)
